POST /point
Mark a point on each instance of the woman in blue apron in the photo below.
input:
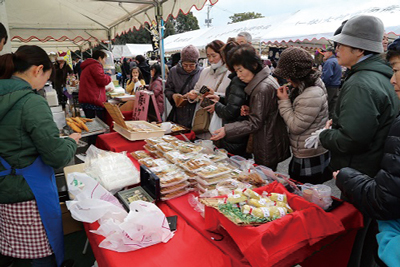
(30, 147)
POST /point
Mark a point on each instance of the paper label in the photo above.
(262, 201)
(282, 212)
(280, 197)
(236, 196)
(266, 212)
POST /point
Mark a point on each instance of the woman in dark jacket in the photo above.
(181, 79)
(228, 107)
(270, 137)
(144, 68)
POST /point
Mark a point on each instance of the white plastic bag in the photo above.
(143, 226)
(215, 123)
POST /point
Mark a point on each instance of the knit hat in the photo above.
(294, 63)
(363, 32)
(190, 54)
(395, 46)
(60, 56)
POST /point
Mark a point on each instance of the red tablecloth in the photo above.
(117, 143)
(325, 249)
(186, 248)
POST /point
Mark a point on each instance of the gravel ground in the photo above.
(283, 168)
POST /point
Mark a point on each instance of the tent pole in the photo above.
(161, 44)
(4, 20)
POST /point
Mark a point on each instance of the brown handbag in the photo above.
(201, 121)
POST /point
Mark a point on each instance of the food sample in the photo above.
(141, 128)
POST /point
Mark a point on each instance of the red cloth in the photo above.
(92, 83)
(271, 243)
(186, 248)
(117, 143)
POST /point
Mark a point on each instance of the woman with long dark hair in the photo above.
(30, 147)
(156, 86)
(136, 81)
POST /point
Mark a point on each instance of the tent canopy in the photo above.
(86, 22)
(130, 50)
(310, 27)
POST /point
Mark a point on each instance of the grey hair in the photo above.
(246, 35)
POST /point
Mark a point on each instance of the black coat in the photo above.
(145, 69)
(228, 109)
(377, 197)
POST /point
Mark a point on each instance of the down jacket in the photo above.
(366, 107)
(308, 114)
(270, 137)
(93, 81)
(228, 109)
(376, 197)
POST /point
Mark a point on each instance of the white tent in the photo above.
(85, 22)
(130, 50)
(311, 27)
(314, 26)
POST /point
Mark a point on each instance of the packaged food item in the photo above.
(252, 177)
(178, 186)
(262, 202)
(175, 194)
(140, 154)
(251, 194)
(186, 147)
(278, 197)
(210, 170)
(154, 140)
(164, 147)
(214, 180)
(265, 212)
(237, 196)
(169, 138)
(150, 148)
(196, 163)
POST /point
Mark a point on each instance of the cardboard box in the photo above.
(69, 224)
(70, 169)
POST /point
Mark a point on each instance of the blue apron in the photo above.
(40, 178)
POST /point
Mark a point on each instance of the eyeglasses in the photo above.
(189, 65)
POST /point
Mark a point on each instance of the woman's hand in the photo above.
(282, 93)
(214, 98)
(210, 108)
(328, 124)
(335, 174)
(244, 110)
(135, 79)
(76, 137)
(218, 134)
(192, 95)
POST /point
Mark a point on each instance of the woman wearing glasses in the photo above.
(181, 79)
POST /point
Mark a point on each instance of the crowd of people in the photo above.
(265, 112)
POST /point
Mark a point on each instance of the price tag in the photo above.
(266, 212)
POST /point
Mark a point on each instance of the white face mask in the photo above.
(217, 65)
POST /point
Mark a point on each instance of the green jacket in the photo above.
(27, 131)
(364, 112)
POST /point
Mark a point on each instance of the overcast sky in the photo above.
(223, 9)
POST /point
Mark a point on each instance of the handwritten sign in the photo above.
(146, 107)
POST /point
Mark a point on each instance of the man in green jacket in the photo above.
(367, 104)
